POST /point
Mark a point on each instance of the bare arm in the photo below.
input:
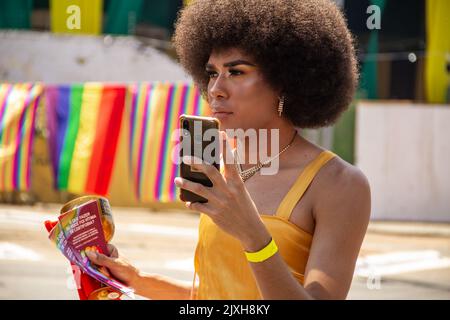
(342, 216)
(158, 287)
(341, 212)
(342, 221)
(152, 286)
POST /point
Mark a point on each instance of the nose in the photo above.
(217, 88)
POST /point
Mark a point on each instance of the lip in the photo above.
(222, 114)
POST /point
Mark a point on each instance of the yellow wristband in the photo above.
(263, 254)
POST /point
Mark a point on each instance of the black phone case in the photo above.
(185, 170)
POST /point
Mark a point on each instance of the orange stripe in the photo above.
(15, 108)
(108, 125)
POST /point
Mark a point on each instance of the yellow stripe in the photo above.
(3, 90)
(154, 140)
(191, 102)
(36, 91)
(15, 107)
(26, 143)
(172, 125)
(3, 150)
(84, 144)
(204, 107)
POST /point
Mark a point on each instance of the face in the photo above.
(238, 94)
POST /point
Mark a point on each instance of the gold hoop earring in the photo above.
(280, 106)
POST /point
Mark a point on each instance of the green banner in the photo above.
(15, 14)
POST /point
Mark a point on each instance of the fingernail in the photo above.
(177, 181)
(187, 159)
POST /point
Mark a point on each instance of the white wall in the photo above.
(42, 56)
(404, 150)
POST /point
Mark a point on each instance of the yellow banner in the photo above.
(438, 50)
(76, 16)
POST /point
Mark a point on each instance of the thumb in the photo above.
(99, 259)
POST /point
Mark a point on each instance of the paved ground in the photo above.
(397, 261)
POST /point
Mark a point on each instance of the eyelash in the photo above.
(232, 72)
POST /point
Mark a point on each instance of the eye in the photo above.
(234, 72)
(211, 74)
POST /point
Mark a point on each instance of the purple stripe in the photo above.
(142, 139)
(134, 95)
(51, 96)
(33, 120)
(62, 111)
(157, 191)
(181, 110)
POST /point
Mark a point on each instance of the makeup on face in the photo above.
(238, 94)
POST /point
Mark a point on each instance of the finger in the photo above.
(105, 271)
(208, 169)
(201, 207)
(230, 170)
(113, 252)
(99, 259)
(196, 188)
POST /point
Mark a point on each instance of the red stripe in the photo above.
(100, 138)
(106, 140)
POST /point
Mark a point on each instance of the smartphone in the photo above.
(199, 137)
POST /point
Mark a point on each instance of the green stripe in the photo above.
(76, 94)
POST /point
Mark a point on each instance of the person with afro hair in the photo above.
(272, 66)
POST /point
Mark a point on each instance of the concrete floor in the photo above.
(390, 266)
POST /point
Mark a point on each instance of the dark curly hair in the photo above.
(303, 48)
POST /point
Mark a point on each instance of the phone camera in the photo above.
(185, 128)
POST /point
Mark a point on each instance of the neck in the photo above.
(252, 151)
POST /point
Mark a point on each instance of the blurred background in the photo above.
(90, 91)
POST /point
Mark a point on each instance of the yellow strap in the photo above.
(302, 183)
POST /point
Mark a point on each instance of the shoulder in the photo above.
(342, 189)
(338, 174)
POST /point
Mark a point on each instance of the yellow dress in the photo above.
(220, 262)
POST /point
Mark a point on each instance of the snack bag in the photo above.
(86, 224)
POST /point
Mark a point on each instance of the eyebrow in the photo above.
(233, 63)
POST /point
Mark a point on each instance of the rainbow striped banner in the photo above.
(18, 105)
(84, 122)
(153, 116)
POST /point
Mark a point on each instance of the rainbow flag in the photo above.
(18, 105)
(153, 116)
(84, 122)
